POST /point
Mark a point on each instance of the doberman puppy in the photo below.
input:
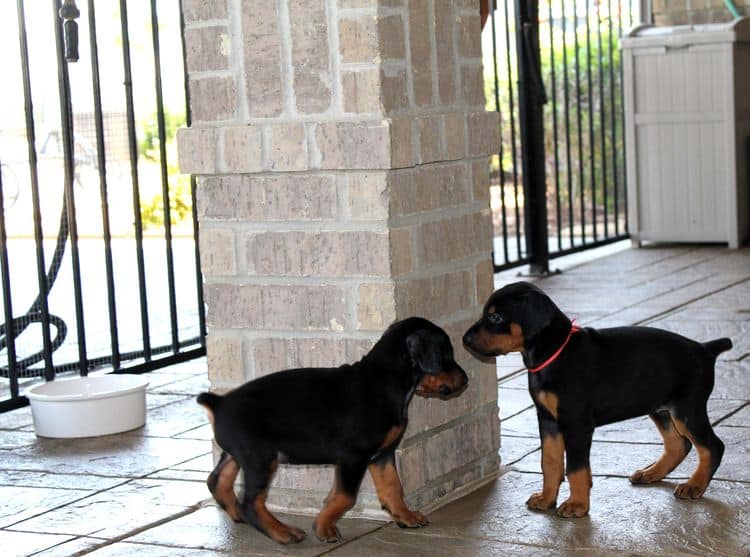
(580, 378)
(353, 416)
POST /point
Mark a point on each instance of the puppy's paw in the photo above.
(689, 491)
(327, 532)
(645, 476)
(573, 509)
(410, 519)
(538, 502)
(290, 535)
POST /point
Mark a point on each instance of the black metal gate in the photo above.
(558, 182)
(98, 251)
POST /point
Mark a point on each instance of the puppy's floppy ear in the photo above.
(539, 315)
(424, 351)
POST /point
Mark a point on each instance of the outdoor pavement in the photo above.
(143, 492)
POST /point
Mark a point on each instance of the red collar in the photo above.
(573, 329)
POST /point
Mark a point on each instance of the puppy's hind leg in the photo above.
(221, 484)
(258, 474)
(676, 447)
(342, 498)
(692, 421)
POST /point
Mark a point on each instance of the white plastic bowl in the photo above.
(88, 406)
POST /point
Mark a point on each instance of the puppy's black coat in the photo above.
(583, 378)
(352, 416)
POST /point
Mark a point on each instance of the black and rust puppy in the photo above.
(581, 378)
(352, 416)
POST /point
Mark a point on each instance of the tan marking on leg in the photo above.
(577, 504)
(335, 506)
(391, 495)
(674, 453)
(549, 401)
(224, 493)
(553, 452)
(393, 435)
(698, 482)
(276, 530)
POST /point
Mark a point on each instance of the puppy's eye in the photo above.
(495, 318)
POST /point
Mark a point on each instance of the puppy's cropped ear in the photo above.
(424, 352)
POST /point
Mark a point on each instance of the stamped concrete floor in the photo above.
(143, 492)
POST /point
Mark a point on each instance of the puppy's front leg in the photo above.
(342, 497)
(553, 450)
(391, 493)
(577, 439)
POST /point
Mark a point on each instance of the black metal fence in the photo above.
(558, 181)
(98, 252)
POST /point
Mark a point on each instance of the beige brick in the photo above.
(434, 297)
(196, 150)
(401, 250)
(485, 285)
(262, 56)
(217, 252)
(198, 10)
(288, 147)
(213, 98)
(358, 39)
(483, 133)
(395, 89)
(391, 36)
(290, 197)
(367, 195)
(207, 48)
(276, 307)
(480, 177)
(457, 446)
(225, 364)
(402, 142)
(353, 145)
(328, 254)
(243, 149)
(472, 85)
(469, 34)
(421, 54)
(358, 3)
(430, 138)
(428, 188)
(276, 354)
(361, 91)
(453, 238)
(410, 464)
(446, 60)
(454, 124)
(217, 196)
(310, 57)
(376, 307)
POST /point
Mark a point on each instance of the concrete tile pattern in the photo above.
(143, 492)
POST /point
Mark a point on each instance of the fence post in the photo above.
(531, 99)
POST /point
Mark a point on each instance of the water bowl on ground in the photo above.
(88, 406)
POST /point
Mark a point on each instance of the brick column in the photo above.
(340, 148)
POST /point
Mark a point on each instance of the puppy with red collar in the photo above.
(581, 378)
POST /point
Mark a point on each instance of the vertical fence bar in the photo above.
(622, 116)
(10, 326)
(41, 265)
(501, 170)
(164, 177)
(188, 120)
(590, 119)
(602, 121)
(531, 99)
(66, 119)
(579, 121)
(103, 189)
(511, 109)
(133, 149)
(613, 122)
(566, 97)
(554, 123)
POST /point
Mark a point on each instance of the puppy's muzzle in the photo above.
(445, 384)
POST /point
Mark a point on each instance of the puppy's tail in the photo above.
(716, 347)
(210, 401)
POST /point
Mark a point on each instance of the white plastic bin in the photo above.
(687, 132)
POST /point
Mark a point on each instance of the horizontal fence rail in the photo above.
(97, 227)
(578, 58)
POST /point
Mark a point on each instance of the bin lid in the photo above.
(737, 30)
